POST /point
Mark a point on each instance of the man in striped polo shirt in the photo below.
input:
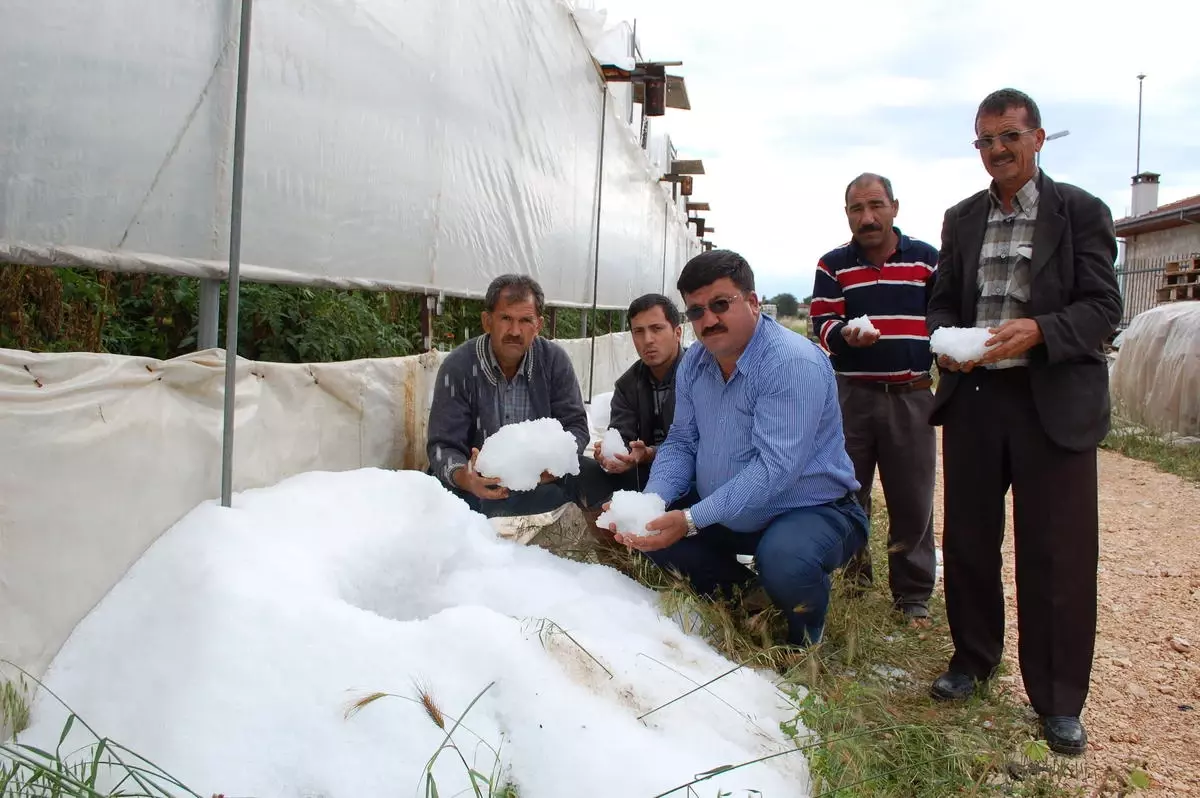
(883, 374)
(755, 462)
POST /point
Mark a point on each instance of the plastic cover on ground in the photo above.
(428, 145)
(102, 453)
(1155, 380)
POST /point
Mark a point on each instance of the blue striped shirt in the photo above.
(767, 441)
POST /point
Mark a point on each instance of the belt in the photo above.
(923, 384)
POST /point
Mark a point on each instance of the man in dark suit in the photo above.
(1031, 260)
(643, 401)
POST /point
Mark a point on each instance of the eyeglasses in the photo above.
(1008, 137)
(717, 306)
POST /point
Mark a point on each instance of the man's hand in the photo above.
(1013, 338)
(859, 338)
(639, 453)
(667, 530)
(946, 363)
(546, 478)
(470, 480)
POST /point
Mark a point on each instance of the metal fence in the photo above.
(1144, 282)
(1140, 280)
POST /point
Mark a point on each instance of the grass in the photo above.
(1182, 461)
(494, 784)
(99, 768)
(863, 693)
(14, 707)
(799, 325)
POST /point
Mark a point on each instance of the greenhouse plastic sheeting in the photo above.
(422, 145)
(1155, 381)
(103, 453)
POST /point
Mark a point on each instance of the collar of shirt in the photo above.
(1025, 200)
(750, 355)
(903, 243)
(668, 379)
(524, 370)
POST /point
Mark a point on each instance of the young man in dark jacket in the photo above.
(643, 402)
(508, 375)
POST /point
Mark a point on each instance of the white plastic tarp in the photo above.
(102, 453)
(429, 144)
(1155, 380)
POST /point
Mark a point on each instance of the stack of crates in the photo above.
(1181, 280)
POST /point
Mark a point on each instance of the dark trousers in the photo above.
(992, 439)
(590, 489)
(890, 430)
(795, 556)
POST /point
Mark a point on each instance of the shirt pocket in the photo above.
(1019, 277)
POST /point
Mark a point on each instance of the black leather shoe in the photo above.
(1064, 734)
(952, 686)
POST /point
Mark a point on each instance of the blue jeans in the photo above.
(795, 556)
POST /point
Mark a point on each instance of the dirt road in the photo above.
(1144, 705)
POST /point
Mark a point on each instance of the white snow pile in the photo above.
(518, 453)
(631, 511)
(961, 344)
(612, 444)
(862, 323)
(230, 653)
(599, 412)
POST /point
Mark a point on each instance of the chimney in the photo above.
(1145, 193)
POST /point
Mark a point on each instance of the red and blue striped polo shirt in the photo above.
(894, 297)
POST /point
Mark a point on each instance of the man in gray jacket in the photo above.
(508, 375)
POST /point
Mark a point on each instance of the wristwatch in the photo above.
(691, 525)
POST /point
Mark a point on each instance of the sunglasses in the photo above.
(717, 306)
(1009, 137)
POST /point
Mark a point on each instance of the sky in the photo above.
(792, 100)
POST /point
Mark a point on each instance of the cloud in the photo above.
(792, 100)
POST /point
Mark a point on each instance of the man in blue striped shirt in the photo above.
(755, 462)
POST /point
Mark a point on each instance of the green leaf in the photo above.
(91, 779)
(66, 730)
(38, 751)
(1036, 750)
(1139, 779)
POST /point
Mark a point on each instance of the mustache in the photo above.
(511, 340)
(870, 228)
(716, 328)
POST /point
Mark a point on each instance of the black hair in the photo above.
(708, 267)
(649, 301)
(514, 288)
(1000, 101)
(865, 179)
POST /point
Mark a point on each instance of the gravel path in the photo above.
(1144, 705)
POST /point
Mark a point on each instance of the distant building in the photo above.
(1151, 231)
(1159, 249)
(770, 310)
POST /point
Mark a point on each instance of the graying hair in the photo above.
(514, 288)
(865, 179)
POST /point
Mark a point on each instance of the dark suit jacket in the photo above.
(1075, 301)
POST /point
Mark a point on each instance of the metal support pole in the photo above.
(666, 228)
(599, 214)
(209, 322)
(1138, 168)
(235, 253)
